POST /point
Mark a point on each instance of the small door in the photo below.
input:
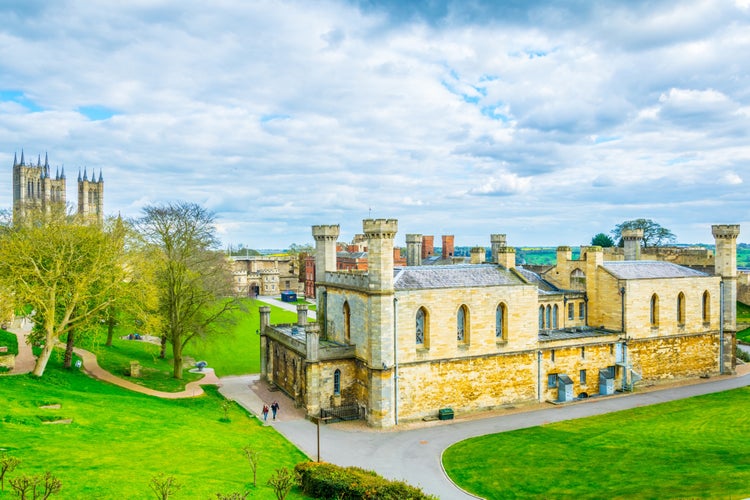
(619, 353)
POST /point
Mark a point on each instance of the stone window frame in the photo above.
(555, 316)
(551, 380)
(462, 324)
(680, 309)
(706, 307)
(582, 376)
(337, 382)
(425, 343)
(654, 311)
(582, 310)
(501, 322)
(541, 317)
(346, 309)
(571, 311)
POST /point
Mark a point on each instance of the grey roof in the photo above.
(647, 269)
(453, 276)
(535, 279)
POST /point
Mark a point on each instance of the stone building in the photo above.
(35, 188)
(266, 274)
(397, 344)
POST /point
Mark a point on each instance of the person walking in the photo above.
(274, 408)
(265, 412)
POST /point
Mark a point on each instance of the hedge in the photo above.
(328, 481)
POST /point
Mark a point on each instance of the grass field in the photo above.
(10, 341)
(743, 316)
(118, 440)
(694, 448)
(233, 351)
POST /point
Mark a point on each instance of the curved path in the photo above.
(25, 362)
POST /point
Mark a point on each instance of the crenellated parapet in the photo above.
(725, 231)
(380, 228)
(326, 232)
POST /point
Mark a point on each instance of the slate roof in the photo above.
(649, 269)
(453, 276)
(533, 278)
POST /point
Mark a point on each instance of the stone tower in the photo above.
(413, 249)
(632, 239)
(380, 312)
(34, 187)
(325, 250)
(497, 241)
(91, 197)
(726, 267)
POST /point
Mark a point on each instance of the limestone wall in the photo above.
(675, 357)
(8, 361)
(571, 360)
(442, 306)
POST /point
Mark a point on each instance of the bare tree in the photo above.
(252, 456)
(7, 464)
(39, 487)
(194, 281)
(282, 482)
(164, 486)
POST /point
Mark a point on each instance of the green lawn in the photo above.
(693, 448)
(10, 341)
(118, 440)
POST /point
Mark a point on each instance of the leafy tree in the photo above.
(194, 282)
(282, 482)
(65, 270)
(602, 240)
(654, 235)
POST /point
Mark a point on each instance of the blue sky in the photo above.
(547, 121)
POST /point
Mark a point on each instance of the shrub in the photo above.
(323, 480)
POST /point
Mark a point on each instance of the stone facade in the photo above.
(35, 188)
(400, 343)
(266, 275)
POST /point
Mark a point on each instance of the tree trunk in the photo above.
(177, 361)
(163, 350)
(68, 361)
(110, 330)
(41, 361)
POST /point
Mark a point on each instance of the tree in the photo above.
(164, 486)
(194, 282)
(66, 270)
(9, 464)
(252, 456)
(281, 482)
(29, 485)
(602, 240)
(654, 235)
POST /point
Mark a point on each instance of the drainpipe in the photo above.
(721, 327)
(622, 309)
(325, 314)
(395, 362)
(539, 376)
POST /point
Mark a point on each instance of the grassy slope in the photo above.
(119, 439)
(743, 315)
(690, 448)
(10, 341)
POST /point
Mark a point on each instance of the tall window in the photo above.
(462, 333)
(337, 382)
(681, 308)
(706, 307)
(347, 322)
(654, 310)
(581, 310)
(582, 377)
(541, 317)
(420, 335)
(500, 323)
(554, 316)
(571, 311)
(548, 321)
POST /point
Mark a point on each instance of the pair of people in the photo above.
(274, 409)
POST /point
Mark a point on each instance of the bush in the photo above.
(322, 480)
(744, 356)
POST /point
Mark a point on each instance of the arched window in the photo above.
(681, 309)
(421, 326)
(501, 326)
(706, 307)
(347, 323)
(548, 322)
(462, 324)
(337, 382)
(541, 317)
(654, 310)
(578, 280)
(555, 311)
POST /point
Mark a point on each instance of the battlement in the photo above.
(326, 232)
(498, 238)
(725, 231)
(348, 279)
(414, 238)
(632, 234)
(380, 228)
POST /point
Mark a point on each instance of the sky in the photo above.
(547, 121)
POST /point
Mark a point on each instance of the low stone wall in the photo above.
(8, 361)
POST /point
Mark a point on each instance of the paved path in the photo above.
(25, 362)
(414, 453)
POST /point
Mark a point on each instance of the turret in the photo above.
(632, 239)
(325, 250)
(725, 265)
(380, 234)
(477, 255)
(413, 249)
(497, 241)
(506, 257)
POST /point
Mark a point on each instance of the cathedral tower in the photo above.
(91, 196)
(34, 187)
